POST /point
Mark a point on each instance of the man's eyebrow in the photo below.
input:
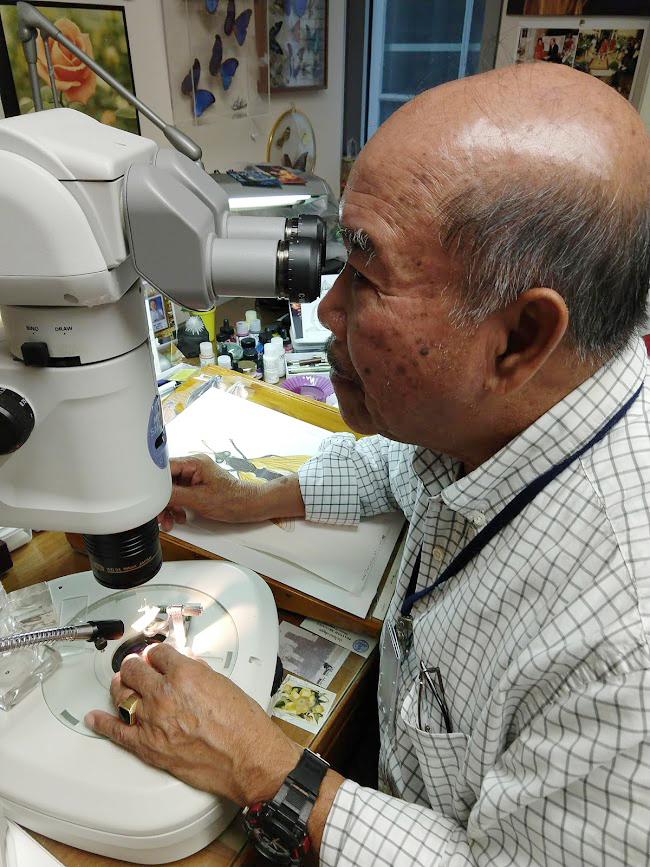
(358, 239)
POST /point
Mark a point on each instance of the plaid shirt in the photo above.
(541, 642)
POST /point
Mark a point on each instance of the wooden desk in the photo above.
(50, 556)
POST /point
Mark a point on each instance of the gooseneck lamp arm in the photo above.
(30, 20)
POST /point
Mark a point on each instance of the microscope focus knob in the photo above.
(16, 421)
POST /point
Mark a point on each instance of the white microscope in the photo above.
(85, 212)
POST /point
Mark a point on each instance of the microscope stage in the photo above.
(60, 779)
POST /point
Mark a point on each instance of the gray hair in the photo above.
(568, 233)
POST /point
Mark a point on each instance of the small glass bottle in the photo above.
(206, 353)
(271, 364)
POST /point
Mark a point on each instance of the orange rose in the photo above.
(71, 76)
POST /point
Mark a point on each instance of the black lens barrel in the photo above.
(124, 560)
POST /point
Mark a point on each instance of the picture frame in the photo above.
(99, 31)
(298, 45)
(578, 8)
(292, 142)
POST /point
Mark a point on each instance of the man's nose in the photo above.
(331, 311)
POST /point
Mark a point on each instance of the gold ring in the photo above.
(127, 708)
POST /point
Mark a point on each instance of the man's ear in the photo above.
(526, 332)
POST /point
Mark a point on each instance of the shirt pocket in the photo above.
(441, 757)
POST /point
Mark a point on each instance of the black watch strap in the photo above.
(279, 827)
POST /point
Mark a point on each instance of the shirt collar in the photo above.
(559, 432)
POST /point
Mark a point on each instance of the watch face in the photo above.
(273, 839)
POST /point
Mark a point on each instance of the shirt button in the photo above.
(478, 519)
(438, 554)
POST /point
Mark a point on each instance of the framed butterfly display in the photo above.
(298, 44)
(217, 57)
(292, 143)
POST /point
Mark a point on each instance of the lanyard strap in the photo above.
(506, 515)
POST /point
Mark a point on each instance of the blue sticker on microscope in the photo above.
(360, 645)
(156, 436)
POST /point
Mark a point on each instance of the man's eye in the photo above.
(357, 275)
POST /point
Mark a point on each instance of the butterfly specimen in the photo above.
(211, 6)
(227, 67)
(190, 87)
(229, 23)
(300, 163)
(273, 42)
(295, 31)
(283, 138)
(299, 7)
(312, 39)
(241, 25)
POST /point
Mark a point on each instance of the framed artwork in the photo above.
(292, 142)
(217, 56)
(298, 44)
(578, 7)
(100, 32)
(610, 55)
(160, 312)
(550, 44)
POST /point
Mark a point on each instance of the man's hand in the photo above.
(199, 726)
(207, 489)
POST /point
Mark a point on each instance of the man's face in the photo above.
(400, 367)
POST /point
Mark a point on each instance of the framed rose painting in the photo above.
(100, 32)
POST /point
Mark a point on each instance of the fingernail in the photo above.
(89, 720)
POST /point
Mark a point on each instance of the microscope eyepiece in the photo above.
(298, 270)
(307, 226)
(124, 560)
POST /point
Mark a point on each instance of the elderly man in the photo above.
(509, 259)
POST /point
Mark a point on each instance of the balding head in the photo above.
(531, 175)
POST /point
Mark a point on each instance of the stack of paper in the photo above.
(342, 566)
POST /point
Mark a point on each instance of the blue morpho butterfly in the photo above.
(275, 46)
(299, 7)
(228, 67)
(190, 86)
(239, 24)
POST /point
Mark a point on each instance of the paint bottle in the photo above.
(224, 361)
(255, 327)
(271, 364)
(250, 315)
(206, 355)
(228, 330)
(241, 330)
(277, 342)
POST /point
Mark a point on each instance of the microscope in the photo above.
(86, 213)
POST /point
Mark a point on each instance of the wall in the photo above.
(509, 33)
(237, 140)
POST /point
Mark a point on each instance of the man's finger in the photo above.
(111, 727)
(163, 658)
(136, 674)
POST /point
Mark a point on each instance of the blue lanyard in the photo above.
(507, 514)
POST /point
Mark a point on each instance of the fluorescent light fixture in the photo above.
(247, 203)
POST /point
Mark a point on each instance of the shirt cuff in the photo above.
(329, 485)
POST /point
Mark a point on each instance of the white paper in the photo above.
(354, 641)
(319, 698)
(24, 851)
(308, 655)
(340, 565)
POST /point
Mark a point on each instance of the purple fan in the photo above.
(309, 385)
